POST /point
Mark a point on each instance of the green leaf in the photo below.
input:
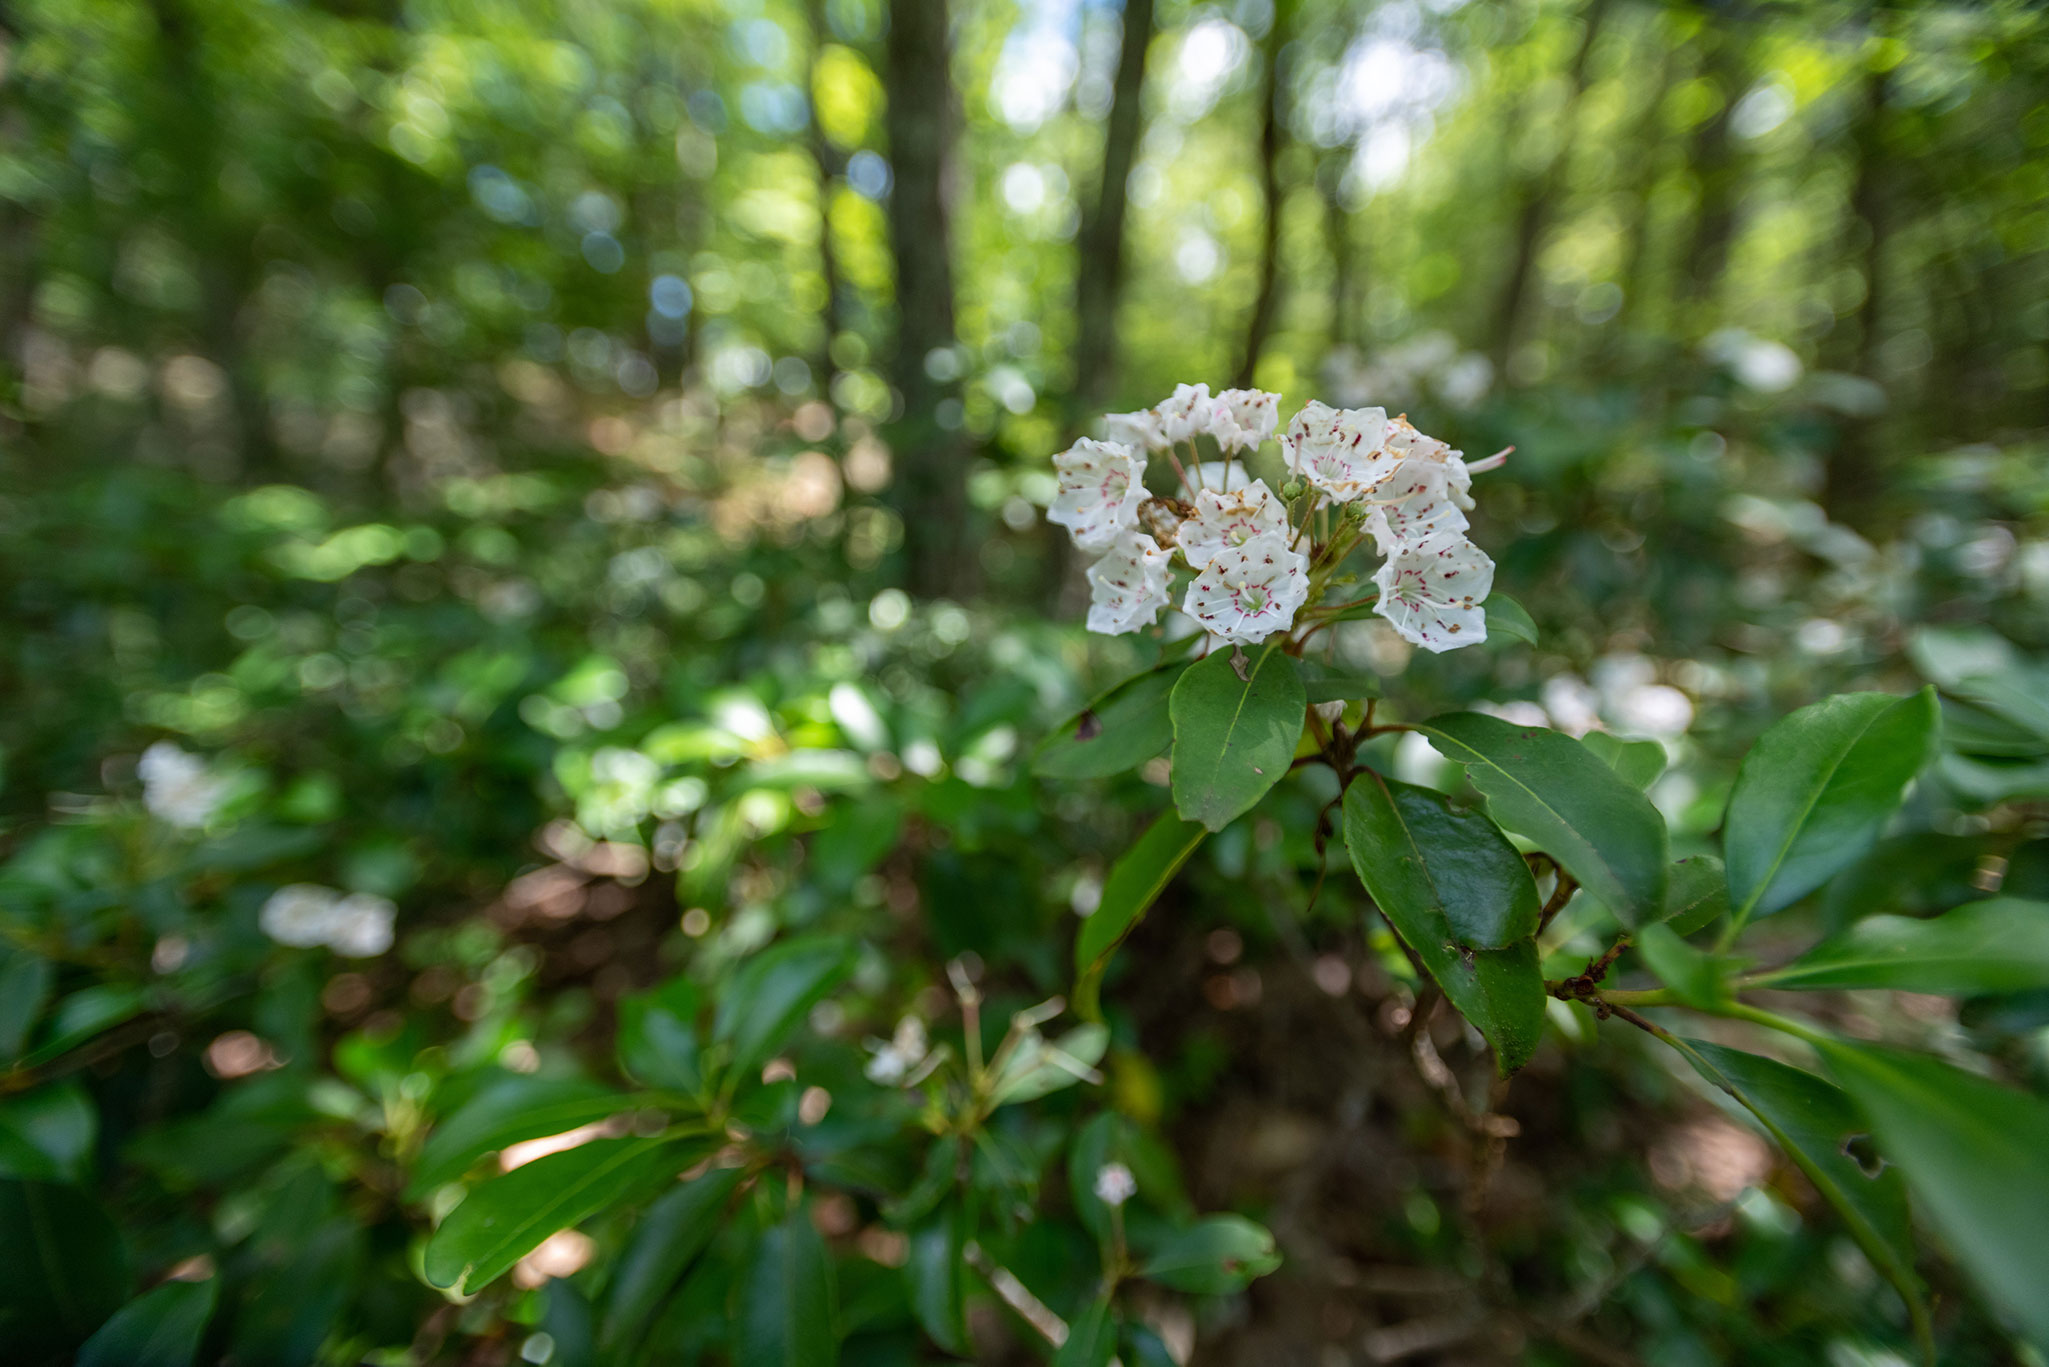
(66, 1270)
(1137, 878)
(1694, 976)
(1546, 786)
(1213, 1257)
(1039, 1066)
(159, 1328)
(1091, 1337)
(937, 1272)
(24, 988)
(1234, 736)
(49, 1133)
(1971, 1151)
(675, 1229)
(1638, 762)
(1120, 729)
(1499, 990)
(509, 1109)
(504, 1219)
(2001, 945)
(1814, 1122)
(768, 997)
(786, 1311)
(1696, 893)
(1323, 683)
(84, 1014)
(658, 1042)
(1460, 862)
(1506, 617)
(1816, 789)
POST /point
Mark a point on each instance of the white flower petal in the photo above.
(362, 927)
(1224, 520)
(1249, 592)
(176, 786)
(1431, 591)
(300, 914)
(1140, 430)
(1241, 419)
(1101, 485)
(1186, 414)
(1128, 586)
(1340, 451)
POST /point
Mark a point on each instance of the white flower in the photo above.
(1241, 419)
(177, 788)
(1101, 485)
(300, 915)
(1138, 430)
(893, 1061)
(1427, 494)
(1249, 592)
(1114, 1184)
(362, 925)
(357, 926)
(1222, 520)
(1187, 414)
(1341, 451)
(1430, 591)
(1128, 587)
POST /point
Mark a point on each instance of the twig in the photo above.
(1017, 1296)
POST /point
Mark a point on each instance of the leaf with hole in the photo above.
(1213, 1257)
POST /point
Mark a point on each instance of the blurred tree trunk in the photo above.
(1347, 310)
(1647, 160)
(1716, 169)
(828, 164)
(1099, 246)
(1537, 196)
(928, 447)
(1272, 132)
(1850, 473)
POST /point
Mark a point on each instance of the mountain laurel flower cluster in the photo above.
(355, 925)
(177, 787)
(1257, 560)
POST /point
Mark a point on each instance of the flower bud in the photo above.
(1292, 490)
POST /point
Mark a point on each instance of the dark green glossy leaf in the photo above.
(66, 1270)
(675, 1229)
(1814, 1122)
(1506, 617)
(159, 1328)
(769, 996)
(509, 1109)
(1091, 1337)
(1460, 861)
(1546, 786)
(1234, 736)
(1971, 1151)
(1816, 789)
(1696, 893)
(85, 1014)
(786, 1303)
(1213, 1257)
(1499, 990)
(1119, 730)
(1327, 683)
(937, 1271)
(24, 988)
(1638, 762)
(504, 1219)
(658, 1042)
(1138, 876)
(2001, 945)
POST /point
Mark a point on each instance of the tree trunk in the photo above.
(1099, 263)
(1538, 194)
(930, 491)
(1272, 130)
(1345, 328)
(1714, 164)
(1850, 473)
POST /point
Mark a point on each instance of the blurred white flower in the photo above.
(1225, 520)
(356, 926)
(1241, 419)
(1128, 586)
(1431, 590)
(1340, 451)
(177, 788)
(1114, 1184)
(1101, 486)
(1249, 592)
(1572, 704)
(1186, 414)
(895, 1061)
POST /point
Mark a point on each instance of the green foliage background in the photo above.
(481, 430)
